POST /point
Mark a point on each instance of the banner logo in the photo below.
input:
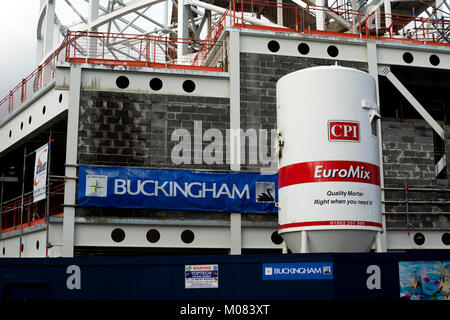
(96, 186)
(343, 131)
(265, 191)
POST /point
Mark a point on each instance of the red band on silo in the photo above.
(354, 223)
(328, 171)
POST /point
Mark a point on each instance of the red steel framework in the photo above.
(115, 49)
(33, 212)
(411, 29)
(161, 52)
(138, 50)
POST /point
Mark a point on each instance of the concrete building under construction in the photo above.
(190, 87)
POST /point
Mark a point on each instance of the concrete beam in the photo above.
(386, 71)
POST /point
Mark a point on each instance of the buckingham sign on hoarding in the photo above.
(121, 187)
(298, 271)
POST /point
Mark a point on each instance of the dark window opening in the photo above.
(276, 238)
(446, 238)
(429, 88)
(419, 239)
(118, 235)
(273, 46)
(122, 82)
(408, 57)
(156, 84)
(434, 60)
(187, 236)
(188, 86)
(153, 236)
(303, 48)
(333, 51)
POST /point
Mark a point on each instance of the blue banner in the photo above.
(298, 271)
(123, 187)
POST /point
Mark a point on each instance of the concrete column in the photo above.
(235, 125)
(372, 59)
(49, 27)
(235, 233)
(166, 13)
(45, 30)
(320, 15)
(280, 12)
(70, 187)
(304, 243)
(93, 11)
(235, 100)
(182, 28)
(388, 12)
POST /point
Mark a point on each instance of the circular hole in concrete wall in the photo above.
(118, 235)
(419, 239)
(10, 133)
(446, 238)
(37, 244)
(44, 109)
(187, 236)
(333, 51)
(21, 125)
(153, 235)
(303, 48)
(408, 57)
(276, 238)
(29, 120)
(156, 84)
(122, 82)
(273, 46)
(188, 85)
(60, 98)
(434, 60)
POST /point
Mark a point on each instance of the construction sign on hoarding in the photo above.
(40, 173)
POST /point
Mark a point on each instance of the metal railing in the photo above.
(140, 50)
(30, 213)
(28, 87)
(117, 49)
(344, 22)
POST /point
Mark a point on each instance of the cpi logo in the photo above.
(343, 131)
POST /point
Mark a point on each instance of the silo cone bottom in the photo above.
(330, 241)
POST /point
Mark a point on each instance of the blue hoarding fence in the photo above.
(368, 276)
(124, 187)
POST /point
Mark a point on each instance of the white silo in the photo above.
(329, 179)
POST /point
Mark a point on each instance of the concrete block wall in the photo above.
(127, 129)
(408, 156)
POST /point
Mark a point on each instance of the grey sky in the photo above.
(18, 20)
